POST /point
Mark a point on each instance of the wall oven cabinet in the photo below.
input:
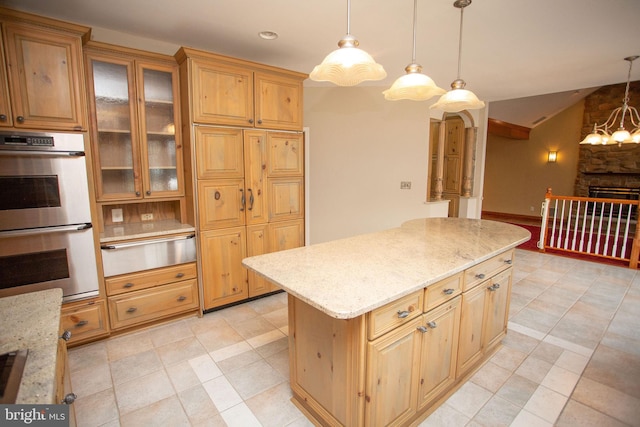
(136, 128)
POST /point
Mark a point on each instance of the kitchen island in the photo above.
(384, 326)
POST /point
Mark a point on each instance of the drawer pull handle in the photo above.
(494, 287)
(179, 275)
(422, 329)
(181, 298)
(128, 285)
(131, 310)
(432, 324)
(508, 261)
(402, 314)
(69, 399)
(82, 323)
(447, 291)
(480, 276)
(66, 335)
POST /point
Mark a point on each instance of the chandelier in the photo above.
(348, 65)
(602, 133)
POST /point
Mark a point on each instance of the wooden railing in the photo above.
(606, 228)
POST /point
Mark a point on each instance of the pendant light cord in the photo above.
(415, 19)
(348, 16)
(460, 44)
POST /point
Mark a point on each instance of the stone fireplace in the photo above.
(610, 165)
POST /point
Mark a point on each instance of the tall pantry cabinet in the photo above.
(245, 172)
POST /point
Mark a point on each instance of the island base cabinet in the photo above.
(326, 364)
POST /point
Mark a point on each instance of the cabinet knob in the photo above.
(131, 310)
(480, 276)
(148, 192)
(20, 119)
(251, 121)
(259, 121)
(179, 275)
(138, 193)
(69, 398)
(3, 117)
(66, 335)
(508, 261)
(432, 324)
(128, 285)
(181, 298)
(494, 287)
(422, 329)
(82, 323)
(402, 314)
(447, 291)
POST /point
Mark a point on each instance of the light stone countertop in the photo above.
(145, 230)
(32, 321)
(349, 277)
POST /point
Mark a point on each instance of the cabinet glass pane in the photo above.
(113, 115)
(160, 128)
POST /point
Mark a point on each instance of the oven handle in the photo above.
(42, 153)
(146, 242)
(45, 230)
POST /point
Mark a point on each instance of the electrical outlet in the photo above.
(146, 217)
(405, 185)
(116, 215)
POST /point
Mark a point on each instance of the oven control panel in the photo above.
(26, 141)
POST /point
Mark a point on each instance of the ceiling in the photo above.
(512, 49)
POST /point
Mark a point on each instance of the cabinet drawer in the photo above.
(483, 271)
(442, 291)
(149, 304)
(392, 315)
(148, 279)
(84, 320)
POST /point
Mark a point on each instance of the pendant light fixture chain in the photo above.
(415, 20)
(460, 4)
(625, 101)
(348, 17)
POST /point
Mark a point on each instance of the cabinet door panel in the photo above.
(221, 95)
(221, 203)
(286, 198)
(6, 118)
(258, 244)
(392, 367)
(471, 318)
(224, 279)
(219, 153)
(286, 156)
(439, 350)
(278, 102)
(286, 235)
(45, 77)
(255, 156)
(497, 308)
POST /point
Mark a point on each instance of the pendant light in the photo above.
(414, 85)
(602, 133)
(348, 65)
(458, 98)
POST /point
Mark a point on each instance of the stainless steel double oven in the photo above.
(46, 235)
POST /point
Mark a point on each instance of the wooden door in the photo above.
(471, 326)
(497, 308)
(221, 94)
(258, 244)
(439, 350)
(286, 198)
(255, 158)
(285, 154)
(45, 78)
(392, 372)
(453, 161)
(221, 203)
(219, 153)
(6, 118)
(224, 280)
(278, 102)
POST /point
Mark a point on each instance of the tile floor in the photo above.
(571, 358)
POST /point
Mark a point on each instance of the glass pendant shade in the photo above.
(458, 99)
(621, 135)
(594, 139)
(635, 137)
(414, 86)
(348, 65)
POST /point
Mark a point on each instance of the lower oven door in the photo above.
(140, 255)
(49, 257)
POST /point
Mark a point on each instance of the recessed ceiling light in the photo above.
(268, 35)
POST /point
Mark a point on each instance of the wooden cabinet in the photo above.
(85, 320)
(136, 123)
(63, 388)
(231, 92)
(485, 310)
(42, 78)
(142, 297)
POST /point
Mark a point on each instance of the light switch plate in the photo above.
(405, 185)
(116, 215)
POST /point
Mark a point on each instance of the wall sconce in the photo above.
(552, 157)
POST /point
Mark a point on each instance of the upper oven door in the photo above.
(44, 186)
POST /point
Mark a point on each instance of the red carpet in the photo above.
(532, 245)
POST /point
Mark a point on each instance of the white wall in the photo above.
(362, 147)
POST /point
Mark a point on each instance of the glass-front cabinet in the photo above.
(135, 115)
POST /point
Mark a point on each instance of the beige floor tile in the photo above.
(143, 391)
(568, 345)
(178, 351)
(222, 393)
(607, 400)
(536, 320)
(529, 288)
(548, 352)
(534, 369)
(573, 362)
(170, 333)
(546, 404)
(230, 351)
(497, 412)
(527, 419)
(469, 399)
(240, 416)
(445, 416)
(254, 378)
(239, 361)
(517, 390)
(182, 376)
(266, 338)
(519, 341)
(205, 368)
(280, 362)
(560, 380)
(239, 313)
(278, 318)
(91, 379)
(270, 304)
(166, 412)
(199, 408)
(220, 337)
(621, 342)
(273, 407)
(616, 369)
(88, 355)
(491, 376)
(128, 345)
(273, 347)
(253, 327)
(525, 330)
(96, 409)
(134, 366)
(206, 323)
(577, 414)
(508, 358)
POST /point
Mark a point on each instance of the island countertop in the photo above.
(32, 321)
(349, 277)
